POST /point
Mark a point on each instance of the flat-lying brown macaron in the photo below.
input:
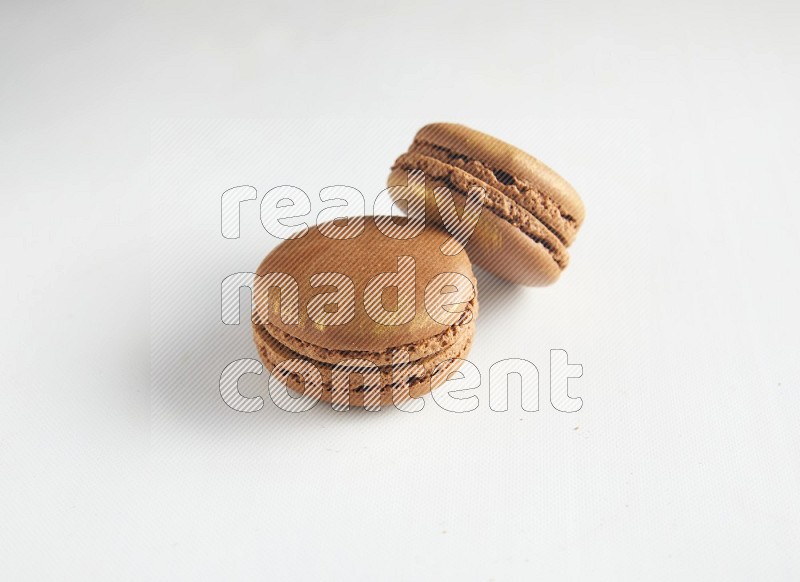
(530, 214)
(381, 319)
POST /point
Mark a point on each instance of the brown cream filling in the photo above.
(272, 353)
(534, 200)
(416, 351)
(498, 203)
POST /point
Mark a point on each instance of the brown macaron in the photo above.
(380, 319)
(530, 214)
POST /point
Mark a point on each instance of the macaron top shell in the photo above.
(360, 259)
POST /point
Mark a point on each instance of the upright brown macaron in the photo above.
(381, 319)
(530, 214)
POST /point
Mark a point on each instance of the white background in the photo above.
(676, 121)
